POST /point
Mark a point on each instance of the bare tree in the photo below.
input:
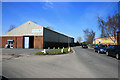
(110, 27)
(101, 27)
(11, 27)
(79, 39)
(89, 36)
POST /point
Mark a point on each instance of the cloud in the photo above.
(48, 5)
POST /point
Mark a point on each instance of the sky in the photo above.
(69, 18)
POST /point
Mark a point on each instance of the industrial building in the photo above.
(32, 35)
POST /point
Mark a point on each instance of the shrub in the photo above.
(66, 50)
(55, 51)
(39, 53)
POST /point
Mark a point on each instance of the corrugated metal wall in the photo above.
(55, 39)
(51, 36)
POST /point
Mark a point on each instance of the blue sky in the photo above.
(69, 18)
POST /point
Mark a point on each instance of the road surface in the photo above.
(21, 51)
(84, 63)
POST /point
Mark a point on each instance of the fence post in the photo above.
(62, 50)
(48, 47)
(44, 51)
(69, 49)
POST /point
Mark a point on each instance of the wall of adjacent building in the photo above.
(55, 39)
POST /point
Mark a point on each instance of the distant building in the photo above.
(104, 40)
(32, 35)
(107, 40)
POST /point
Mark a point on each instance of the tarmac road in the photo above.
(100, 65)
(84, 63)
(20, 51)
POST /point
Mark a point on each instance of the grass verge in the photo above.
(54, 52)
(39, 53)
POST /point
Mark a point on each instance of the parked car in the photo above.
(100, 48)
(84, 46)
(113, 50)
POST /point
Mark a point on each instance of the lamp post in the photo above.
(68, 42)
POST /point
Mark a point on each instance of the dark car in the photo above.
(84, 46)
(100, 48)
(113, 50)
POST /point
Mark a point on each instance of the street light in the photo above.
(68, 42)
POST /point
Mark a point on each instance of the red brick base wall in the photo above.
(38, 42)
(18, 41)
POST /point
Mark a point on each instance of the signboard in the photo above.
(36, 30)
(99, 42)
